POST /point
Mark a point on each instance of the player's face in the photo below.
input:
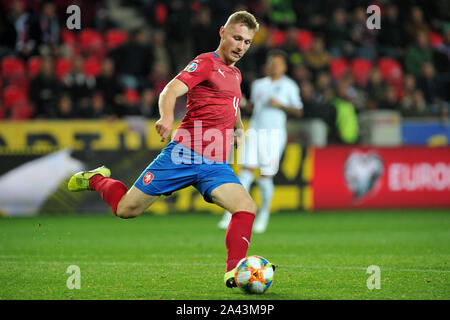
(276, 66)
(235, 41)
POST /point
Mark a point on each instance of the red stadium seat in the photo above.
(131, 96)
(361, 69)
(12, 66)
(278, 38)
(63, 66)
(305, 39)
(115, 38)
(92, 67)
(21, 82)
(435, 39)
(161, 13)
(23, 111)
(68, 37)
(338, 68)
(390, 69)
(13, 95)
(90, 40)
(34, 66)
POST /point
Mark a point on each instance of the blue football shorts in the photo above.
(177, 167)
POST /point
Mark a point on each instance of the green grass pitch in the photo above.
(320, 255)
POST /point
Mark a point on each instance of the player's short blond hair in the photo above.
(245, 18)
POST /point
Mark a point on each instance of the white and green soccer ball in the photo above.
(254, 274)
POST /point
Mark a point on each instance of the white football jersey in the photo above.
(284, 90)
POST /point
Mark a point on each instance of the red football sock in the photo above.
(237, 238)
(109, 189)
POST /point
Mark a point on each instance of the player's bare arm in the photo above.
(238, 130)
(166, 102)
(246, 105)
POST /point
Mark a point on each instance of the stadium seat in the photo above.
(68, 37)
(305, 39)
(161, 13)
(338, 68)
(115, 38)
(131, 96)
(392, 73)
(13, 95)
(92, 67)
(361, 69)
(23, 111)
(2, 113)
(21, 82)
(12, 67)
(390, 69)
(34, 66)
(90, 41)
(278, 38)
(63, 66)
(435, 39)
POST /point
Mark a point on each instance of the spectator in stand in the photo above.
(416, 106)
(416, 24)
(390, 101)
(281, 13)
(160, 52)
(409, 87)
(409, 84)
(317, 58)
(291, 48)
(429, 85)
(65, 107)
(80, 87)
(314, 106)
(8, 36)
(345, 127)
(147, 105)
(107, 84)
(301, 73)
(338, 32)
(441, 60)
(49, 29)
(133, 59)
(158, 78)
(204, 33)
(354, 94)
(391, 35)
(26, 34)
(376, 89)
(444, 48)
(98, 109)
(416, 55)
(178, 33)
(44, 90)
(324, 87)
(363, 38)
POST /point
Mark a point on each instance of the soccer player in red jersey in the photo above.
(198, 151)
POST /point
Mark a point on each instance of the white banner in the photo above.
(24, 189)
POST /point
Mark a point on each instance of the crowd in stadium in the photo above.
(106, 70)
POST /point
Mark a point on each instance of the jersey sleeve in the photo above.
(296, 100)
(253, 89)
(196, 71)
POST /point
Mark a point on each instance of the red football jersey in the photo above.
(212, 106)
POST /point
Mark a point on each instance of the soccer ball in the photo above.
(254, 274)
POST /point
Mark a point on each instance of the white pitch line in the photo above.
(119, 263)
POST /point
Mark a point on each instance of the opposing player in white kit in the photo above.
(271, 98)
